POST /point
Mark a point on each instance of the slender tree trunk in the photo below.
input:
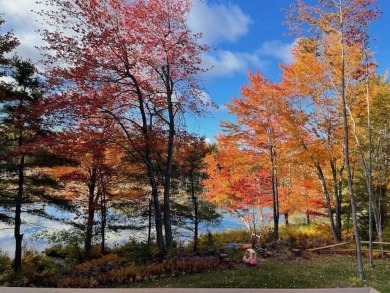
(275, 195)
(148, 161)
(374, 210)
(17, 265)
(155, 202)
(325, 191)
(103, 206)
(308, 221)
(286, 219)
(167, 192)
(369, 167)
(346, 149)
(337, 185)
(158, 221)
(168, 167)
(196, 212)
(150, 223)
(90, 219)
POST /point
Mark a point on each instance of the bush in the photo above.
(5, 267)
(37, 270)
(104, 260)
(66, 243)
(220, 239)
(136, 252)
(306, 236)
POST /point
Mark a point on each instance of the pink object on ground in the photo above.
(250, 257)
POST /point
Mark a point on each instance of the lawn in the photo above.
(313, 272)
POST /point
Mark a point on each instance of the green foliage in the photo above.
(184, 214)
(134, 252)
(386, 230)
(66, 244)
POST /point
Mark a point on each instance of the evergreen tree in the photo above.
(22, 181)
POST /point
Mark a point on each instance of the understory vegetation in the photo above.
(133, 265)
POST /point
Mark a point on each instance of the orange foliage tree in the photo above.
(314, 124)
(262, 148)
(237, 182)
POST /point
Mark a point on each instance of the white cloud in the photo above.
(223, 63)
(218, 22)
(226, 63)
(23, 21)
(205, 98)
(277, 49)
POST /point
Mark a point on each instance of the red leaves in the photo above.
(126, 44)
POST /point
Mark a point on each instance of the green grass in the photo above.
(316, 272)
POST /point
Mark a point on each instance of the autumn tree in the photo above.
(137, 62)
(262, 130)
(313, 122)
(371, 96)
(237, 182)
(92, 178)
(340, 28)
(380, 145)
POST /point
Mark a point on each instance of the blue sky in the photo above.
(265, 42)
(243, 35)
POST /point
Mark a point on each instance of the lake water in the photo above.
(32, 225)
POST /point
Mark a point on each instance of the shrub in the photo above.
(5, 267)
(306, 236)
(136, 252)
(37, 270)
(220, 239)
(109, 258)
(57, 251)
(67, 243)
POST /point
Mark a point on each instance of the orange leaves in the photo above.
(235, 178)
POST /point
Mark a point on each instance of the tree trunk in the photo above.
(196, 212)
(168, 167)
(148, 161)
(17, 265)
(91, 214)
(325, 191)
(337, 190)
(167, 192)
(158, 221)
(286, 219)
(308, 221)
(103, 206)
(150, 223)
(346, 150)
(275, 195)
